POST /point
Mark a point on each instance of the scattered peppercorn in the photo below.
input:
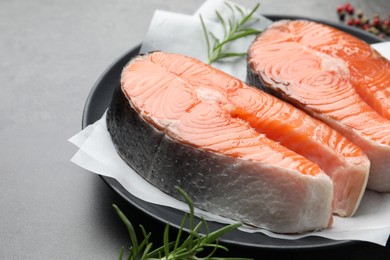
(350, 10)
(366, 27)
(359, 14)
(365, 20)
(340, 9)
(358, 22)
(376, 21)
(378, 26)
(351, 21)
(341, 12)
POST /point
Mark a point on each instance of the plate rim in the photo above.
(117, 187)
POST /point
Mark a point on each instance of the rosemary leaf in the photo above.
(146, 251)
(178, 238)
(223, 23)
(232, 11)
(130, 229)
(166, 240)
(249, 30)
(248, 16)
(190, 205)
(242, 34)
(236, 28)
(228, 55)
(220, 232)
(145, 242)
(157, 253)
(240, 10)
(121, 253)
(215, 248)
(188, 248)
(206, 35)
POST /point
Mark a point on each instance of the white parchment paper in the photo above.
(183, 34)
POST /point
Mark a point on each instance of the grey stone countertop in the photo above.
(51, 54)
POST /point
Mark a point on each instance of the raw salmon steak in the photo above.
(179, 122)
(334, 77)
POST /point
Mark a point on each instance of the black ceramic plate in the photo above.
(98, 101)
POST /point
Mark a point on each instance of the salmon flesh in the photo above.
(236, 150)
(334, 77)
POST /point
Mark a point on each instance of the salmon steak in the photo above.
(333, 76)
(237, 151)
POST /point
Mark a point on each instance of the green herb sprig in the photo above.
(181, 248)
(234, 29)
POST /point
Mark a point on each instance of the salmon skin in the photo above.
(334, 77)
(179, 122)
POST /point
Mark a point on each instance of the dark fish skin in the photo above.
(217, 183)
(247, 191)
(135, 141)
(255, 80)
(167, 163)
(160, 160)
(164, 162)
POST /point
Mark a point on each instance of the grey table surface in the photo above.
(51, 54)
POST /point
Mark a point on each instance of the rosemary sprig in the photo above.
(180, 248)
(234, 29)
